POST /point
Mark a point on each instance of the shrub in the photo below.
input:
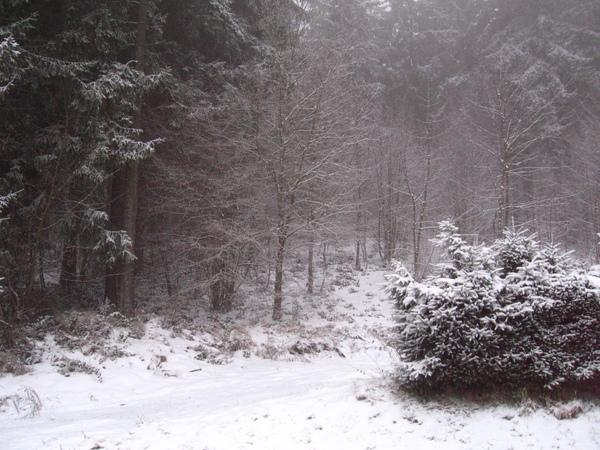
(516, 314)
(11, 362)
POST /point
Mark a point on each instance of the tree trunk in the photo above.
(120, 280)
(278, 287)
(68, 269)
(113, 281)
(358, 232)
(419, 221)
(127, 295)
(310, 283)
(324, 266)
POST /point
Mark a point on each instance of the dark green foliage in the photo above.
(71, 92)
(513, 251)
(68, 93)
(517, 315)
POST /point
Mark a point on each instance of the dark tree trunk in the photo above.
(278, 287)
(120, 280)
(112, 285)
(310, 284)
(222, 286)
(68, 269)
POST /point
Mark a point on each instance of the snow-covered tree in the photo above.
(69, 96)
(503, 316)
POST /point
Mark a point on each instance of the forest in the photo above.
(185, 149)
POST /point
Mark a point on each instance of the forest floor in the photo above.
(319, 379)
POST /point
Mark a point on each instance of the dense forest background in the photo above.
(190, 147)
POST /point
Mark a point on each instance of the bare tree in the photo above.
(304, 117)
(514, 111)
(582, 193)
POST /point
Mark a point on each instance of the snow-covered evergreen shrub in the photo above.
(513, 314)
(514, 251)
(461, 255)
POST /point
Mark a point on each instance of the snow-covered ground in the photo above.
(317, 380)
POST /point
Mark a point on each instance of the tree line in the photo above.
(188, 147)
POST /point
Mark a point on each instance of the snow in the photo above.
(594, 281)
(162, 397)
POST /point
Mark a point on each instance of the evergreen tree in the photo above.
(502, 317)
(67, 111)
(195, 215)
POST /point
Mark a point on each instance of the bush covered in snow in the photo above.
(516, 314)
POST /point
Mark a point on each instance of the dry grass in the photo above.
(26, 402)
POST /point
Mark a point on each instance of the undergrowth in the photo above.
(100, 333)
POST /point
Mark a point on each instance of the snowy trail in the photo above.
(320, 401)
(206, 409)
